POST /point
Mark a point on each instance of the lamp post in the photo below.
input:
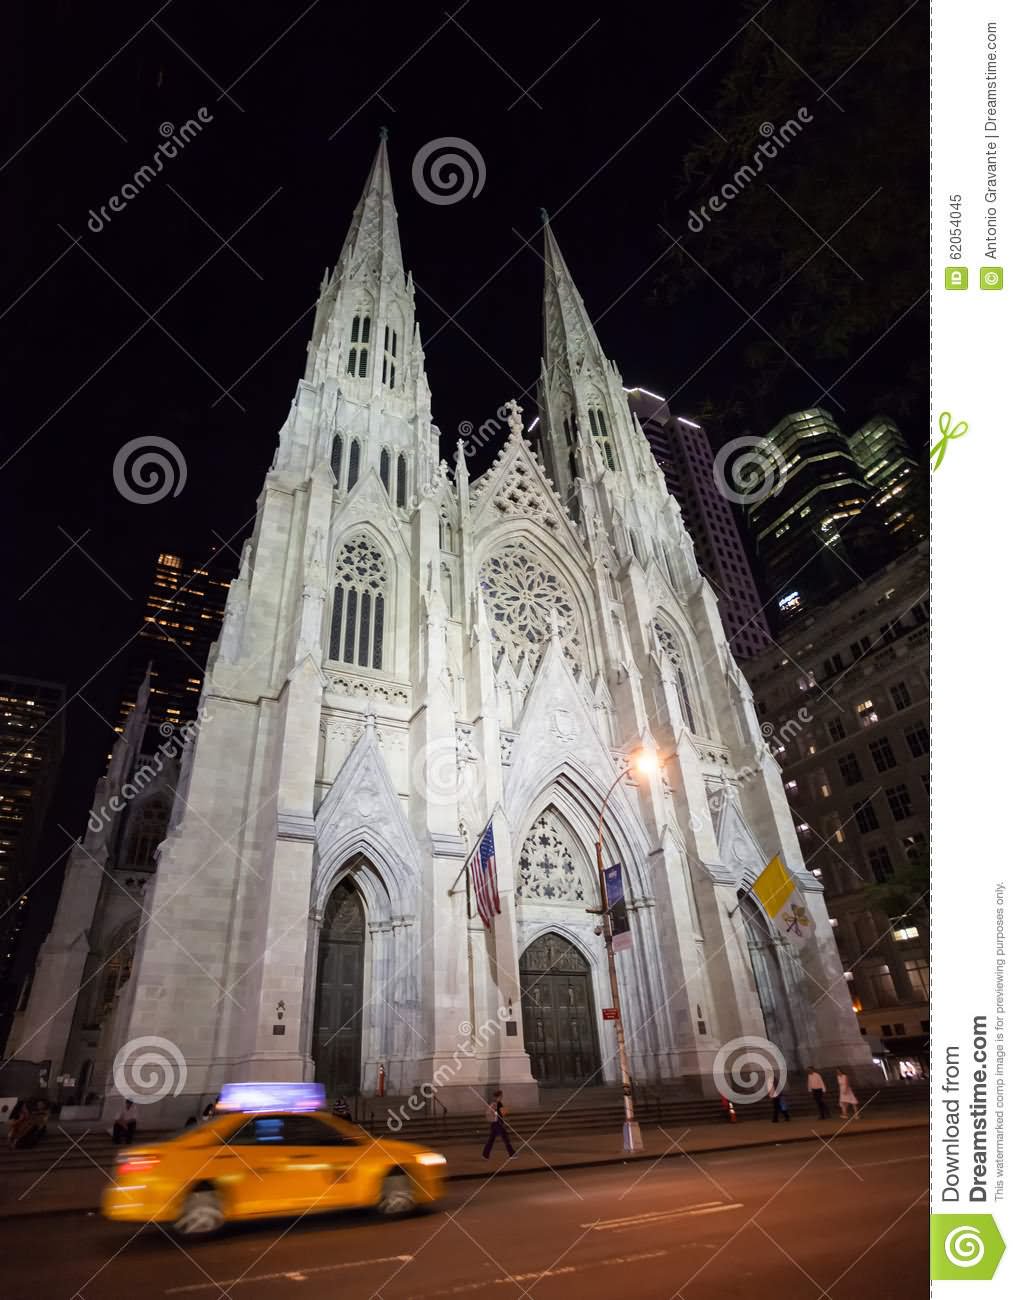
(632, 1140)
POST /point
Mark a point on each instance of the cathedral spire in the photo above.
(570, 340)
(364, 336)
(587, 430)
(373, 240)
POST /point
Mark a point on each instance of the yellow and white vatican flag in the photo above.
(776, 891)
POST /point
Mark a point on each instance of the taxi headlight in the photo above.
(431, 1158)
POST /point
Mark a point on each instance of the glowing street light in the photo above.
(645, 762)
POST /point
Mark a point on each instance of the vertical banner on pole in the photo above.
(619, 922)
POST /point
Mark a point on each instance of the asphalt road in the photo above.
(795, 1222)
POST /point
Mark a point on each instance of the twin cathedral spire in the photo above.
(366, 344)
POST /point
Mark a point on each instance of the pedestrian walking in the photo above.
(847, 1098)
(778, 1106)
(815, 1084)
(124, 1125)
(495, 1113)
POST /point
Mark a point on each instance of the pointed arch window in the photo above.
(401, 480)
(147, 832)
(670, 643)
(384, 463)
(359, 604)
(549, 870)
(353, 463)
(389, 358)
(336, 458)
(600, 434)
(635, 547)
(357, 357)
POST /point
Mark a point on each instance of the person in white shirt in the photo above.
(815, 1084)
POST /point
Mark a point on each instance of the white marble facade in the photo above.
(405, 652)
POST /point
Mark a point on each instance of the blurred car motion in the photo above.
(265, 1162)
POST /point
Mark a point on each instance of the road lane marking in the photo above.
(899, 1160)
(671, 1218)
(650, 1214)
(664, 1217)
(538, 1276)
(290, 1275)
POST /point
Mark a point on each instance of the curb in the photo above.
(621, 1159)
(547, 1168)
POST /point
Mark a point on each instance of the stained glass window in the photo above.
(670, 643)
(357, 630)
(547, 871)
(523, 598)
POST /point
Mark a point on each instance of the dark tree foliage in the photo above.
(906, 895)
(864, 152)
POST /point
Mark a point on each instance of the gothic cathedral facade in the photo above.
(405, 654)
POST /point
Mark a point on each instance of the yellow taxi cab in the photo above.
(266, 1162)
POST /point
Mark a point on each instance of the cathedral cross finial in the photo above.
(553, 622)
(516, 424)
(383, 132)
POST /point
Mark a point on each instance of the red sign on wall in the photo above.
(610, 1013)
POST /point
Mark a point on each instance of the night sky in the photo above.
(154, 326)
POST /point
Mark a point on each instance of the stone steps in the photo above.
(597, 1113)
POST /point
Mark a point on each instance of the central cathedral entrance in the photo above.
(559, 1026)
(336, 1045)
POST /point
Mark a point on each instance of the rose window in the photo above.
(524, 600)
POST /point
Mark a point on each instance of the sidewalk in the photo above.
(68, 1191)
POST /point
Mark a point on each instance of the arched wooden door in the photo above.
(559, 1024)
(339, 995)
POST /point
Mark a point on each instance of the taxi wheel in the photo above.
(396, 1195)
(201, 1215)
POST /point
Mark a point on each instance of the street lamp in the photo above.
(647, 763)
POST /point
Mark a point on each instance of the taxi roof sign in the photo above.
(250, 1096)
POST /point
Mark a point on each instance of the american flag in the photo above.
(482, 869)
